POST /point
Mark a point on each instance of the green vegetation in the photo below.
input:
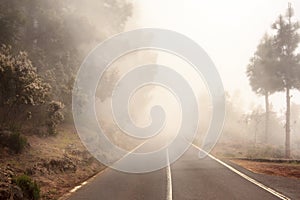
(21, 88)
(42, 46)
(16, 142)
(55, 116)
(13, 140)
(29, 187)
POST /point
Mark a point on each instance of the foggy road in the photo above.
(191, 178)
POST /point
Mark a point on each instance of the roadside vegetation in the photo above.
(262, 137)
(42, 44)
(274, 68)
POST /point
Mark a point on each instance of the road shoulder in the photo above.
(285, 185)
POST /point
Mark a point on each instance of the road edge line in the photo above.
(169, 179)
(268, 189)
(74, 189)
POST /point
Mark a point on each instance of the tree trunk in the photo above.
(287, 125)
(267, 117)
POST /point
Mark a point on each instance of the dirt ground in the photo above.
(271, 168)
(56, 163)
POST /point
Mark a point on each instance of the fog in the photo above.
(58, 38)
(230, 41)
(172, 90)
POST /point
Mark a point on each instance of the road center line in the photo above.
(270, 190)
(169, 179)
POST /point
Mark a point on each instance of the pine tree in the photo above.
(286, 42)
(262, 74)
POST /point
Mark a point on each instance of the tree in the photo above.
(20, 86)
(57, 34)
(255, 119)
(286, 42)
(11, 21)
(262, 74)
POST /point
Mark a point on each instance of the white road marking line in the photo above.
(272, 191)
(77, 187)
(169, 179)
(66, 196)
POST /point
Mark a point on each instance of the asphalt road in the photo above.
(191, 178)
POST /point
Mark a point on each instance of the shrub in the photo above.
(21, 87)
(55, 116)
(29, 187)
(16, 142)
(265, 152)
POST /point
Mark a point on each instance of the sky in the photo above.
(229, 31)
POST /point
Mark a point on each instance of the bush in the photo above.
(55, 116)
(21, 87)
(265, 152)
(29, 187)
(16, 142)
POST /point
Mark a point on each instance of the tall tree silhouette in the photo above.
(261, 72)
(286, 42)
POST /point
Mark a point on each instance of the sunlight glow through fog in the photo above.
(228, 30)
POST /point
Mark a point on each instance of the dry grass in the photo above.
(271, 168)
(65, 144)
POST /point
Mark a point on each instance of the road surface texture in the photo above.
(191, 179)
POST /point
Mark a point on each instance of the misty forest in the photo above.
(42, 46)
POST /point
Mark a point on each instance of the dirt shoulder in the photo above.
(285, 169)
(278, 174)
(284, 182)
(56, 163)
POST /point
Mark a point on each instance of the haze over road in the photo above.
(191, 178)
